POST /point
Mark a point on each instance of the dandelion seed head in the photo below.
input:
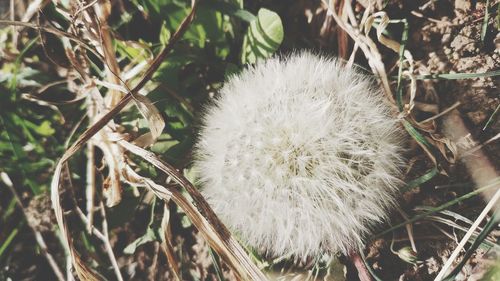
(300, 155)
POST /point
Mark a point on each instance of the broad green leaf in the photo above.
(263, 37)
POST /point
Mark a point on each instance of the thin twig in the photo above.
(409, 229)
(91, 184)
(455, 105)
(103, 237)
(93, 230)
(14, 29)
(107, 244)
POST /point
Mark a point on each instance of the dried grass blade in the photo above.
(82, 270)
(492, 118)
(368, 47)
(458, 76)
(150, 113)
(54, 31)
(166, 245)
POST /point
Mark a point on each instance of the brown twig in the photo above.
(107, 244)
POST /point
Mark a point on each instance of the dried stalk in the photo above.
(367, 46)
(104, 238)
(481, 170)
(91, 185)
(112, 68)
(107, 244)
(166, 245)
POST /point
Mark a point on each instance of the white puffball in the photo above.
(300, 155)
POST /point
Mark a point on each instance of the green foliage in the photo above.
(263, 37)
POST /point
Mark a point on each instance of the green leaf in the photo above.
(457, 76)
(164, 34)
(244, 15)
(132, 50)
(8, 240)
(415, 134)
(263, 37)
(150, 236)
(45, 129)
(231, 9)
(484, 27)
(422, 179)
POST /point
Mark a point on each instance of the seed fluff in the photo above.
(299, 155)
